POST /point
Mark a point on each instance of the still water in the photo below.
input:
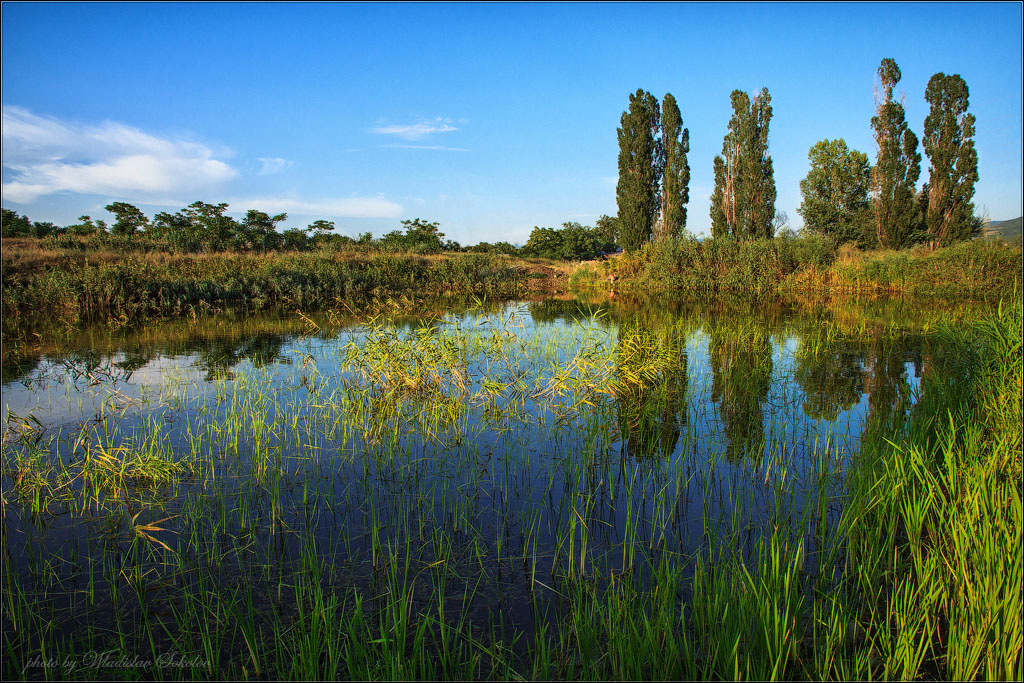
(498, 450)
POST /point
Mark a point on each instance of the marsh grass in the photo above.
(793, 266)
(467, 498)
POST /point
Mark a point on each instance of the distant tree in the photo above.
(640, 170)
(896, 170)
(208, 227)
(675, 184)
(258, 231)
(423, 236)
(320, 227)
(743, 203)
(607, 228)
(14, 225)
(573, 242)
(129, 218)
(175, 230)
(949, 144)
(44, 228)
(835, 190)
(543, 242)
(87, 226)
(295, 239)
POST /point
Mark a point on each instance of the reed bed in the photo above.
(473, 497)
(808, 265)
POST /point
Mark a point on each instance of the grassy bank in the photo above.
(446, 556)
(108, 286)
(984, 268)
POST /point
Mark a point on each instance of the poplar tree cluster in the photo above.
(890, 212)
(654, 176)
(743, 203)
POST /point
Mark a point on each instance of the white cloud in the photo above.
(345, 207)
(416, 131)
(271, 165)
(45, 156)
(436, 148)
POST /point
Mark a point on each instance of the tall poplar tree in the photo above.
(897, 168)
(640, 169)
(949, 144)
(743, 203)
(675, 184)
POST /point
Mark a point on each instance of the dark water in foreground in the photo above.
(486, 456)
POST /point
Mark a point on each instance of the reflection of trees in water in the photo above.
(651, 367)
(741, 367)
(887, 386)
(220, 356)
(832, 380)
(568, 311)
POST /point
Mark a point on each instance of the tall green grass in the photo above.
(139, 288)
(900, 560)
(811, 264)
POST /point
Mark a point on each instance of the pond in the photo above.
(472, 467)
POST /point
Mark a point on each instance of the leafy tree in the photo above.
(87, 226)
(897, 167)
(13, 225)
(743, 203)
(129, 218)
(423, 236)
(321, 227)
(835, 190)
(208, 227)
(296, 239)
(543, 242)
(44, 228)
(949, 144)
(573, 242)
(607, 228)
(174, 229)
(640, 169)
(258, 231)
(675, 184)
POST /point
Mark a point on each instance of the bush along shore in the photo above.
(77, 290)
(813, 264)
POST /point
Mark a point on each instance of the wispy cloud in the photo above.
(272, 165)
(344, 207)
(44, 155)
(438, 148)
(416, 131)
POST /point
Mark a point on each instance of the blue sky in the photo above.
(489, 118)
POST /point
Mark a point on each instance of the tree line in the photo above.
(204, 227)
(843, 195)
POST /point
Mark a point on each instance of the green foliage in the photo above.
(573, 242)
(420, 237)
(743, 203)
(13, 225)
(506, 248)
(640, 169)
(129, 218)
(87, 227)
(138, 288)
(675, 185)
(320, 227)
(896, 170)
(608, 230)
(949, 144)
(724, 264)
(835, 191)
(258, 232)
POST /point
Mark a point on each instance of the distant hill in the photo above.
(1008, 230)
